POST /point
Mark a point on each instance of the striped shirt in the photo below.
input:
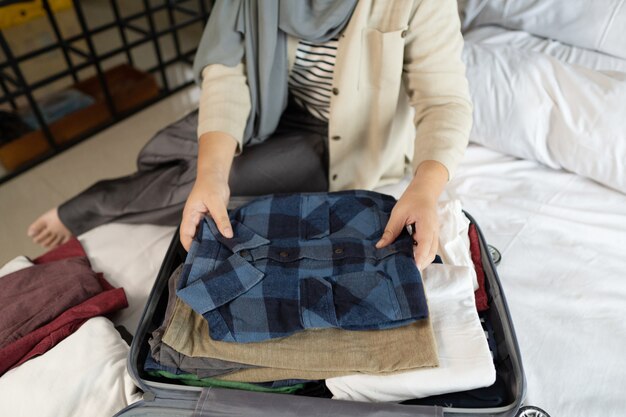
(311, 78)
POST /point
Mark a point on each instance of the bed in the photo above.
(562, 237)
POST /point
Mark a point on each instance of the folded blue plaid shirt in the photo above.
(302, 261)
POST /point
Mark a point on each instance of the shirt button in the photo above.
(404, 33)
(334, 177)
(338, 251)
(336, 137)
(336, 91)
(283, 254)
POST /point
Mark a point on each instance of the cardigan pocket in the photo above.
(382, 57)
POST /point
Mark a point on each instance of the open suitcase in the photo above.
(168, 398)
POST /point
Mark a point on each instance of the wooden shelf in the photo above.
(129, 88)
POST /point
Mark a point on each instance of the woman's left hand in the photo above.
(418, 207)
(420, 211)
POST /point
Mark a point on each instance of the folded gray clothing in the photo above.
(167, 356)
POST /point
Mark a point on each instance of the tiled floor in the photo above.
(110, 153)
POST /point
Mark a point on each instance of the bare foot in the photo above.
(48, 230)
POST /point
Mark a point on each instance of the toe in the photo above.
(47, 243)
(56, 241)
(42, 236)
(36, 227)
(65, 238)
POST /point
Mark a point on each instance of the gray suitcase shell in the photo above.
(169, 399)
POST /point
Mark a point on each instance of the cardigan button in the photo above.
(334, 177)
(336, 137)
(404, 33)
(336, 91)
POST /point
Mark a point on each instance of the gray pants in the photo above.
(294, 159)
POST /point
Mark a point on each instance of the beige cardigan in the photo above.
(400, 93)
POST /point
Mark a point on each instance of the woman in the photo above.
(371, 89)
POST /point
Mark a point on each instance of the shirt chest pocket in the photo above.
(356, 300)
(382, 56)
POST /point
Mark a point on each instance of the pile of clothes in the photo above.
(44, 301)
(301, 301)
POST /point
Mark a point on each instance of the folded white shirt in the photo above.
(84, 375)
(454, 244)
(465, 361)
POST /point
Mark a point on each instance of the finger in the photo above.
(424, 238)
(429, 257)
(187, 229)
(435, 245)
(218, 212)
(185, 239)
(392, 230)
(420, 252)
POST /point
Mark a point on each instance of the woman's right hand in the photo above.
(210, 196)
(210, 193)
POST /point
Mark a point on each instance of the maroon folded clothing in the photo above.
(482, 303)
(70, 249)
(32, 297)
(46, 337)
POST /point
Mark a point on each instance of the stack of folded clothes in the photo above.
(44, 301)
(301, 294)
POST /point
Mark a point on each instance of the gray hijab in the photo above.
(257, 30)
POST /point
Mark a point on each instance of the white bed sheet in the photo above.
(130, 257)
(563, 244)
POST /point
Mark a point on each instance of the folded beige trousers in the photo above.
(310, 354)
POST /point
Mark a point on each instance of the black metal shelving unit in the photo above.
(14, 86)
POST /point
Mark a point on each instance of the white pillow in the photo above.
(597, 24)
(533, 106)
(495, 35)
